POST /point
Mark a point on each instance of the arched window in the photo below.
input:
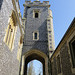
(10, 31)
(36, 35)
(36, 15)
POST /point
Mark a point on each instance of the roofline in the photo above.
(64, 36)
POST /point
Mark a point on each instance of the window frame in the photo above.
(71, 52)
(34, 35)
(36, 14)
(36, 11)
(11, 31)
(68, 41)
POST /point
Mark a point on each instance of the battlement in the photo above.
(36, 3)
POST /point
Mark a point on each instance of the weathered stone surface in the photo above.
(64, 51)
(36, 24)
(9, 65)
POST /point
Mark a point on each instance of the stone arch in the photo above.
(31, 55)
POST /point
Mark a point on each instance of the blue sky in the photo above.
(63, 14)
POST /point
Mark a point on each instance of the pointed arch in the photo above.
(31, 55)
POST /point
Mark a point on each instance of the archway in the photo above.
(32, 55)
(34, 67)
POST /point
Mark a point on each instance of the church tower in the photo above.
(39, 36)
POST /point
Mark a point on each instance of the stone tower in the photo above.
(39, 36)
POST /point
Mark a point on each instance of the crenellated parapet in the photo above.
(36, 3)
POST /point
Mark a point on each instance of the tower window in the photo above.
(36, 15)
(72, 50)
(35, 35)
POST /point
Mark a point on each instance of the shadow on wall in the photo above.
(1, 1)
(41, 44)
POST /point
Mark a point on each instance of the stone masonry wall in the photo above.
(36, 24)
(9, 65)
(54, 67)
(65, 62)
